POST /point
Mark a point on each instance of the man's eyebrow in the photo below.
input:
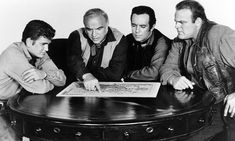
(100, 27)
(87, 28)
(139, 25)
(143, 24)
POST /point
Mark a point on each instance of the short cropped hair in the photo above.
(145, 10)
(37, 28)
(196, 8)
(95, 12)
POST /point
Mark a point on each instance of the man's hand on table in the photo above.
(181, 83)
(90, 82)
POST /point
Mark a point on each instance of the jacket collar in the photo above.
(29, 57)
(25, 50)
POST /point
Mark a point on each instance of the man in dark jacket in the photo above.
(203, 54)
(96, 52)
(147, 47)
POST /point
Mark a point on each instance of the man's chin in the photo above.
(96, 41)
(181, 37)
(40, 56)
(138, 39)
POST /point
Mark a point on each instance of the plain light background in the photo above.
(66, 15)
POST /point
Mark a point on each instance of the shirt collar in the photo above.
(204, 29)
(26, 52)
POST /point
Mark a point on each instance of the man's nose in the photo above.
(46, 48)
(177, 25)
(137, 29)
(93, 33)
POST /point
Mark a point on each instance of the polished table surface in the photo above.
(172, 114)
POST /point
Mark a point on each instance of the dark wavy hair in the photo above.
(196, 8)
(37, 28)
(145, 10)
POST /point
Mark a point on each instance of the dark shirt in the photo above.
(96, 55)
(145, 59)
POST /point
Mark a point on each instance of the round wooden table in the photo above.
(172, 114)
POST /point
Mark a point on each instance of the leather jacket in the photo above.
(209, 68)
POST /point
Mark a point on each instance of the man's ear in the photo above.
(153, 27)
(198, 22)
(29, 42)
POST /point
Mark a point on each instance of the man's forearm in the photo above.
(56, 77)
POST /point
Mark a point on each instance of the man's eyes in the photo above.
(181, 22)
(142, 26)
(44, 44)
(133, 25)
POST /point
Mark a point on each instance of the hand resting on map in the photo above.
(90, 82)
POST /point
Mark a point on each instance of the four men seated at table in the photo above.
(202, 54)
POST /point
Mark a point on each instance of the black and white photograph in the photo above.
(117, 70)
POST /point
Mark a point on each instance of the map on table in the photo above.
(113, 89)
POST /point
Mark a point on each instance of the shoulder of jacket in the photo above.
(13, 50)
(219, 29)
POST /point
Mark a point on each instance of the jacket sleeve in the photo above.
(171, 68)
(54, 75)
(19, 64)
(151, 72)
(75, 61)
(117, 64)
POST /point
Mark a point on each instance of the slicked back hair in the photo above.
(145, 10)
(37, 28)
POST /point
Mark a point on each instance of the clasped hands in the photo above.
(32, 75)
(91, 83)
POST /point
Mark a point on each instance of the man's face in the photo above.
(38, 47)
(140, 27)
(183, 23)
(96, 28)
